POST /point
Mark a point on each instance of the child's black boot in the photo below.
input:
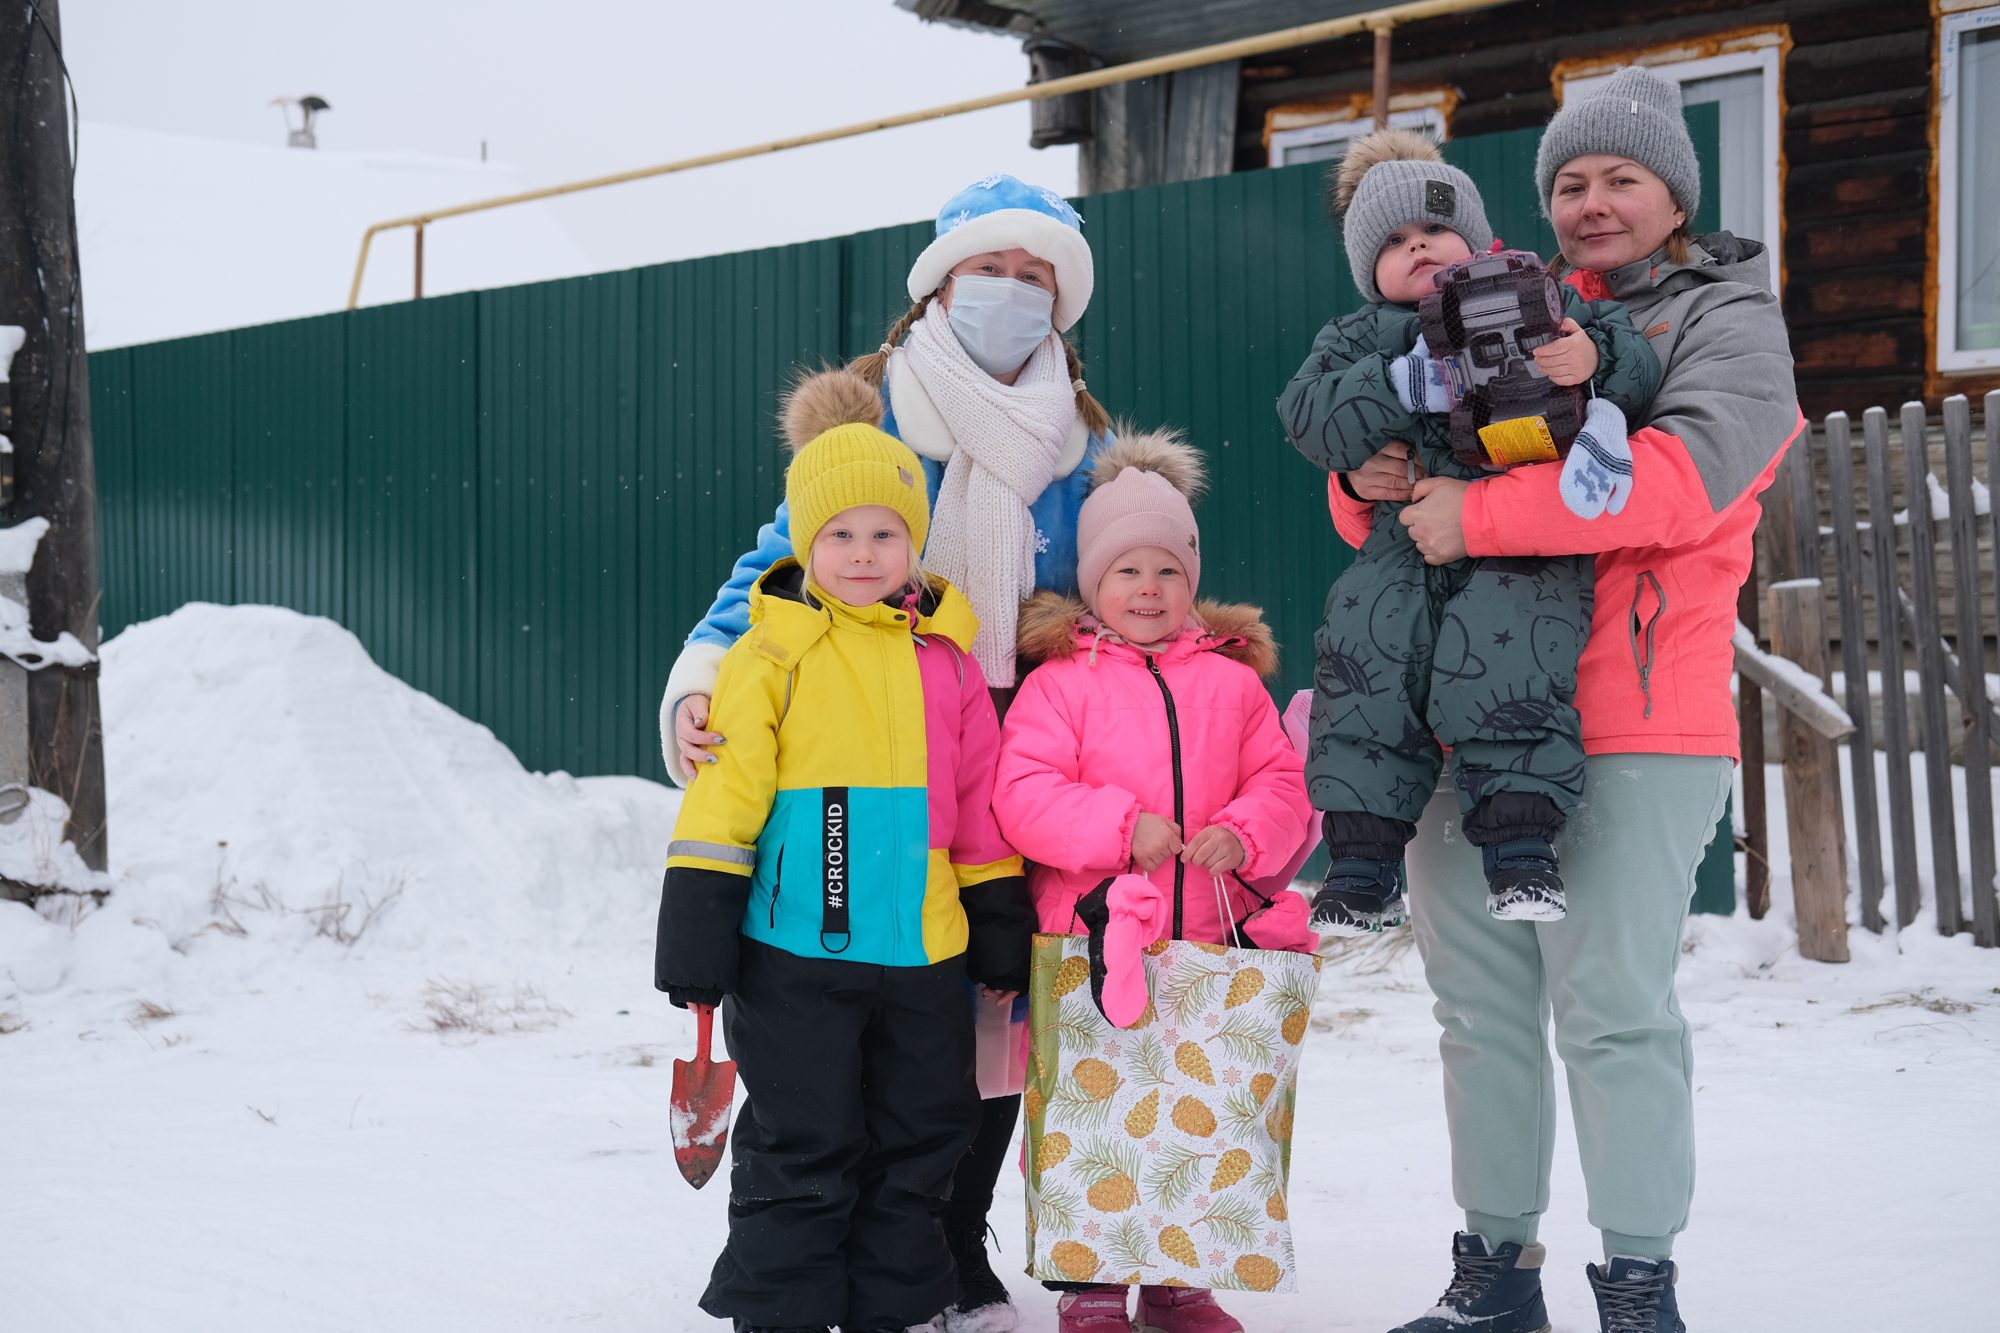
(1522, 883)
(1361, 896)
(983, 1304)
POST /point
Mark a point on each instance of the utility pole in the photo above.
(54, 474)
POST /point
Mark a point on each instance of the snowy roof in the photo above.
(185, 235)
(1122, 30)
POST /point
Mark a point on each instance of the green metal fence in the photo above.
(521, 499)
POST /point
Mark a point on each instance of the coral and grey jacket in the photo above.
(1103, 731)
(1654, 675)
(850, 814)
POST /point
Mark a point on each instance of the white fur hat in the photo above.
(1002, 213)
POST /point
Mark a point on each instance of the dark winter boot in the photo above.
(741, 1327)
(1360, 897)
(1521, 881)
(1635, 1295)
(983, 1304)
(1496, 1292)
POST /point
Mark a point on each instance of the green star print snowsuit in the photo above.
(1479, 654)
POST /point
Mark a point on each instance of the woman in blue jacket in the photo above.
(978, 380)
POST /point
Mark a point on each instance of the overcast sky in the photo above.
(586, 87)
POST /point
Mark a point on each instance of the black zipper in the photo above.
(1180, 812)
(777, 885)
(1636, 632)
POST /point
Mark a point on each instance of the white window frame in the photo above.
(1425, 119)
(1766, 58)
(1950, 357)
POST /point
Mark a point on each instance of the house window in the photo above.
(1969, 191)
(1744, 86)
(1330, 129)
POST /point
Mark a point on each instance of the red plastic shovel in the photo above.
(699, 1108)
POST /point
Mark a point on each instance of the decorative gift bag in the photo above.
(1160, 1154)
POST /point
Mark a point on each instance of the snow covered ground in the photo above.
(365, 1039)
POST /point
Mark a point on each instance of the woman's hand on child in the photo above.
(690, 716)
(1386, 475)
(991, 996)
(1214, 849)
(1154, 840)
(1437, 519)
(1571, 358)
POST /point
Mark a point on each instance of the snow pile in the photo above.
(267, 777)
(17, 639)
(33, 852)
(257, 746)
(18, 543)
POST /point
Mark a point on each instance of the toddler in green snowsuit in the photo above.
(1478, 654)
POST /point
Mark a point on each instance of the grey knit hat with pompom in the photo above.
(1397, 178)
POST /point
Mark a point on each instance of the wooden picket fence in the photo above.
(1879, 556)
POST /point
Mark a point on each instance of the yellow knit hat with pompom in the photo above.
(849, 465)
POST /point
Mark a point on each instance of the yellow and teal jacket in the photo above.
(849, 812)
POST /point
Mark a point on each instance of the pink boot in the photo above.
(1093, 1310)
(1182, 1310)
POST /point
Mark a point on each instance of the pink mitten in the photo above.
(1138, 917)
(1286, 924)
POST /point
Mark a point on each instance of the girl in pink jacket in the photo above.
(1145, 741)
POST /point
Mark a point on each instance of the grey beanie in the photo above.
(1636, 114)
(1397, 191)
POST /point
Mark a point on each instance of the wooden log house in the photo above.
(1860, 138)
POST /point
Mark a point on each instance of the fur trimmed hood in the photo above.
(1053, 628)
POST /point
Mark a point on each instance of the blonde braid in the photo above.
(875, 365)
(1091, 412)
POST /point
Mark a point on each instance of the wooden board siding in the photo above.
(1856, 140)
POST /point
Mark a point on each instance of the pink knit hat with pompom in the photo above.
(1141, 489)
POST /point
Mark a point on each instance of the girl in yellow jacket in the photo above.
(835, 879)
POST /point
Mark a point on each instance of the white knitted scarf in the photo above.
(1009, 442)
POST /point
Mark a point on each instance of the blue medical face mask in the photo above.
(999, 321)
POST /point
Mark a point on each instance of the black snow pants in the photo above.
(1479, 655)
(860, 1104)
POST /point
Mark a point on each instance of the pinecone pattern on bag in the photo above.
(1074, 972)
(1159, 1155)
(1193, 1118)
(1245, 988)
(1145, 1116)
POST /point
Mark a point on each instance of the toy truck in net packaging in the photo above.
(1482, 324)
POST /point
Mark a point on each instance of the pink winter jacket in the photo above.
(1087, 746)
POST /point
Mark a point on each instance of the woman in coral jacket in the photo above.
(1618, 176)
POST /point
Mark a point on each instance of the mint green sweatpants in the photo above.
(1605, 974)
